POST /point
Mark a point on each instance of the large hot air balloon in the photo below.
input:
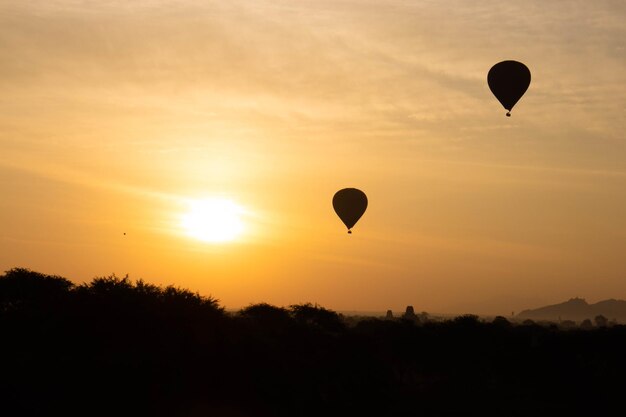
(350, 204)
(508, 81)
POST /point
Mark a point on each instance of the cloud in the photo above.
(59, 173)
(284, 100)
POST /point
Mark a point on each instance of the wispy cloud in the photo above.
(290, 99)
(59, 173)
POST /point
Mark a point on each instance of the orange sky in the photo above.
(113, 113)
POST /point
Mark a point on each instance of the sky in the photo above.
(115, 115)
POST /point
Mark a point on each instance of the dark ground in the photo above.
(114, 348)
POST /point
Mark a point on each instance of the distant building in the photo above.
(389, 315)
(409, 314)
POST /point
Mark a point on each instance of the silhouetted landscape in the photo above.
(116, 347)
(577, 309)
(251, 159)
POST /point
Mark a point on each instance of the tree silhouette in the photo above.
(317, 317)
(601, 321)
(501, 321)
(586, 324)
(114, 346)
(22, 288)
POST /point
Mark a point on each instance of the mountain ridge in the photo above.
(577, 309)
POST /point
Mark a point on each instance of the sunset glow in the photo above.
(200, 143)
(214, 220)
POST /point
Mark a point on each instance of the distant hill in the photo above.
(578, 309)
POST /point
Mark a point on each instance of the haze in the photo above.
(113, 113)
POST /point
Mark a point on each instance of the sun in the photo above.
(214, 220)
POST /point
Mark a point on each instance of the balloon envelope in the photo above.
(350, 204)
(508, 81)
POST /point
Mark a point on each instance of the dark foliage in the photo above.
(317, 317)
(114, 347)
(22, 289)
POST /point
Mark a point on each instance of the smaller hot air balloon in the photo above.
(508, 81)
(350, 204)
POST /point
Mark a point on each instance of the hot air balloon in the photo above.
(350, 204)
(508, 81)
